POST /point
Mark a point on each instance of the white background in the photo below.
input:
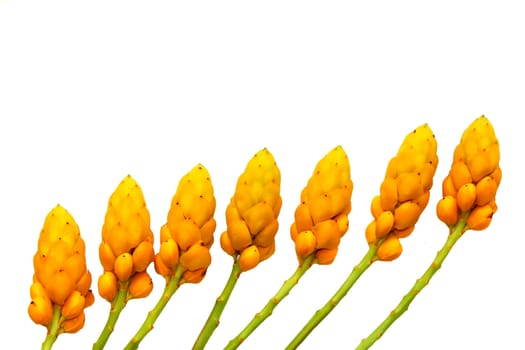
(93, 91)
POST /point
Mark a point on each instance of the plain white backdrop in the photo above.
(93, 91)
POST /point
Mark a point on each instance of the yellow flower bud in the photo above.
(106, 256)
(305, 244)
(169, 253)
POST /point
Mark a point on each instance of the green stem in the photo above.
(54, 328)
(320, 314)
(117, 306)
(272, 303)
(456, 233)
(147, 326)
(213, 320)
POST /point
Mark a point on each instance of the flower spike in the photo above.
(61, 283)
(125, 252)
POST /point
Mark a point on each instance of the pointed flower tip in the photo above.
(337, 152)
(262, 165)
(425, 130)
(129, 178)
(339, 149)
(199, 171)
(127, 182)
(265, 152)
(200, 167)
(60, 210)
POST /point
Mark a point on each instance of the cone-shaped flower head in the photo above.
(469, 189)
(126, 249)
(404, 192)
(251, 216)
(61, 279)
(188, 235)
(322, 217)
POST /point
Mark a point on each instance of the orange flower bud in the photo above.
(108, 286)
(41, 310)
(73, 305)
(196, 257)
(305, 243)
(326, 256)
(466, 197)
(123, 266)
(390, 249)
(249, 258)
(447, 210)
(140, 285)
(384, 224)
(480, 217)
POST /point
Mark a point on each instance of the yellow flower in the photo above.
(251, 215)
(469, 189)
(187, 236)
(61, 280)
(404, 193)
(127, 241)
(321, 219)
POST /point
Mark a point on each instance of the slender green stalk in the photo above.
(272, 303)
(213, 320)
(320, 314)
(52, 333)
(455, 234)
(147, 326)
(117, 306)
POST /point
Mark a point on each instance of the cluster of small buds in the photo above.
(126, 249)
(404, 193)
(187, 236)
(321, 219)
(61, 279)
(251, 215)
(470, 187)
